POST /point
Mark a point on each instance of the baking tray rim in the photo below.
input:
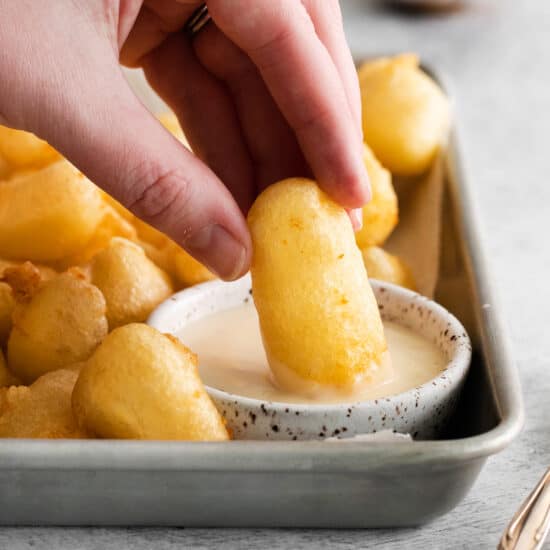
(348, 456)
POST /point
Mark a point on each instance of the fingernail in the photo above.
(218, 250)
(356, 217)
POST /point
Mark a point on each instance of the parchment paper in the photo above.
(417, 237)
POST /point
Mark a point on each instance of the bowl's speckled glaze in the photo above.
(421, 412)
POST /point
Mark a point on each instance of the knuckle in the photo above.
(317, 119)
(282, 36)
(162, 196)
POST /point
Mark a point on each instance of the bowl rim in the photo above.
(458, 363)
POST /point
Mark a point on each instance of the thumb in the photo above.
(109, 135)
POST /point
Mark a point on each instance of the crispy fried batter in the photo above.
(63, 323)
(318, 314)
(141, 384)
(42, 410)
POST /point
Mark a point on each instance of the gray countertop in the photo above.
(497, 54)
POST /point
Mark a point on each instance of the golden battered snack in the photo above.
(42, 410)
(181, 266)
(149, 234)
(6, 376)
(48, 214)
(62, 323)
(386, 267)
(46, 272)
(405, 114)
(24, 281)
(23, 150)
(111, 225)
(318, 315)
(5, 168)
(131, 283)
(7, 305)
(381, 214)
(141, 384)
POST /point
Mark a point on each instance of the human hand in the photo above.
(266, 91)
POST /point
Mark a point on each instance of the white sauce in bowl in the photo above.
(232, 359)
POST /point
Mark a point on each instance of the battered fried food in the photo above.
(318, 315)
(24, 280)
(62, 323)
(7, 305)
(405, 114)
(112, 225)
(6, 376)
(141, 384)
(5, 169)
(23, 150)
(42, 410)
(181, 266)
(46, 272)
(48, 214)
(386, 267)
(381, 214)
(131, 283)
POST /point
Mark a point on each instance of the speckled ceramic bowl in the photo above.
(421, 412)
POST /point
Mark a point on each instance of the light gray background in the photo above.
(497, 53)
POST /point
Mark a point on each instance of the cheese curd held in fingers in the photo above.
(319, 319)
(141, 384)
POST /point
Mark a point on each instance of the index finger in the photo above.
(280, 39)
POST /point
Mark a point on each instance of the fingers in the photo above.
(147, 30)
(121, 147)
(206, 114)
(327, 19)
(271, 142)
(281, 40)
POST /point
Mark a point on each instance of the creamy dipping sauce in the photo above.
(232, 359)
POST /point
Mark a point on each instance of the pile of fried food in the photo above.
(79, 275)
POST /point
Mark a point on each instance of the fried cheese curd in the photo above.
(6, 376)
(5, 168)
(23, 151)
(7, 305)
(181, 266)
(141, 384)
(112, 224)
(386, 267)
(381, 213)
(55, 323)
(130, 282)
(41, 410)
(319, 319)
(405, 113)
(32, 274)
(48, 214)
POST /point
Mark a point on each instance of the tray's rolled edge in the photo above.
(496, 346)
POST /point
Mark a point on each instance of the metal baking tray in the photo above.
(293, 484)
